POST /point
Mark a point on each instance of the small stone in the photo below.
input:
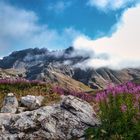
(10, 94)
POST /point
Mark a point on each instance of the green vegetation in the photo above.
(23, 88)
(118, 108)
(119, 112)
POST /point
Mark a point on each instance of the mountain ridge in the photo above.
(57, 66)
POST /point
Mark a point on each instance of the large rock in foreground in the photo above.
(63, 121)
(81, 109)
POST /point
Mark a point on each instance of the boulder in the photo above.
(10, 104)
(32, 102)
(62, 121)
(81, 109)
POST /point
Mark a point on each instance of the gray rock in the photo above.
(32, 102)
(81, 109)
(56, 122)
(10, 104)
(8, 109)
(21, 109)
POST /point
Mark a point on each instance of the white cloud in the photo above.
(111, 4)
(59, 6)
(122, 48)
(20, 29)
(16, 27)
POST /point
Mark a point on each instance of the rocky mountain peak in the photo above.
(59, 67)
(69, 50)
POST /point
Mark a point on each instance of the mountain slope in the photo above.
(58, 67)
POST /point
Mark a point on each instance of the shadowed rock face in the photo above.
(62, 121)
(102, 77)
(59, 67)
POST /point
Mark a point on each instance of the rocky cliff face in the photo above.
(100, 78)
(62, 121)
(59, 67)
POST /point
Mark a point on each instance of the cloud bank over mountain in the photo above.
(20, 28)
(122, 48)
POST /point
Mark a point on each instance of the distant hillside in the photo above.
(58, 67)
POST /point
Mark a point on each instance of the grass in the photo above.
(51, 93)
(28, 88)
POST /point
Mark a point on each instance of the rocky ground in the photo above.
(27, 119)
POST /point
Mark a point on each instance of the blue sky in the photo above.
(60, 14)
(58, 24)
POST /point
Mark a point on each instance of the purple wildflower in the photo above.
(123, 108)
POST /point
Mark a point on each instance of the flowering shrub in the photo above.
(119, 112)
(82, 95)
(23, 87)
(21, 81)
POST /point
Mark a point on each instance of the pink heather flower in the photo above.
(113, 93)
(137, 96)
(136, 105)
(97, 98)
(123, 108)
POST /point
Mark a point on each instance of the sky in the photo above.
(98, 27)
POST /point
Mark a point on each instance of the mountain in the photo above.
(59, 68)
